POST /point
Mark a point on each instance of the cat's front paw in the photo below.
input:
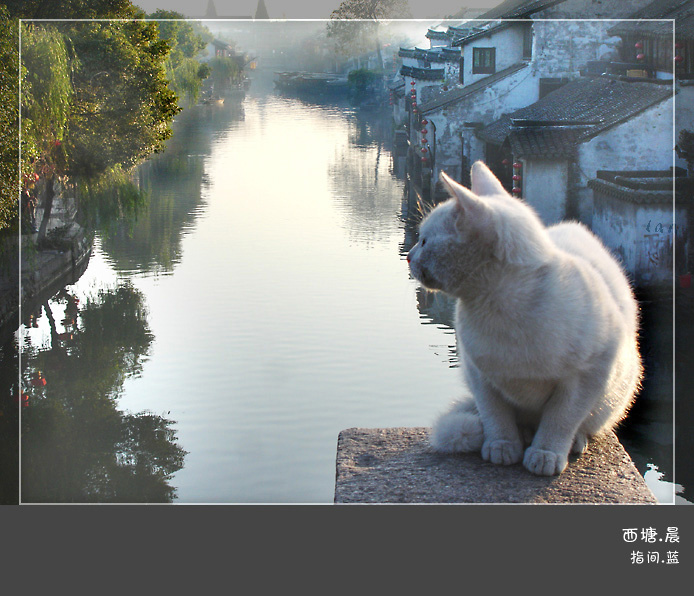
(502, 452)
(580, 443)
(543, 462)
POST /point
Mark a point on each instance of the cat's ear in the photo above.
(468, 202)
(484, 182)
(465, 196)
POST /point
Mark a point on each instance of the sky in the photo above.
(302, 9)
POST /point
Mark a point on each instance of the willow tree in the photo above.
(354, 24)
(46, 103)
(224, 70)
(9, 121)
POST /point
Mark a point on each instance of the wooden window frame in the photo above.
(483, 60)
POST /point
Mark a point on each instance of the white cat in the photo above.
(546, 325)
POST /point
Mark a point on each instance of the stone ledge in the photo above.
(396, 465)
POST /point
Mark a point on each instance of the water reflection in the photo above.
(175, 183)
(77, 446)
(361, 181)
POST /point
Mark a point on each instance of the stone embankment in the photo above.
(60, 261)
(396, 465)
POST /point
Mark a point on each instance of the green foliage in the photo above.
(109, 197)
(46, 96)
(359, 81)
(187, 41)
(95, 95)
(123, 106)
(9, 122)
(224, 71)
(72, 9)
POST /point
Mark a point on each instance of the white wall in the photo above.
(544, 186)
(645, 142)
(563, 48)
(509, 51)
(641, 236)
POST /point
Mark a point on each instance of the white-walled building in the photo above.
(516, 54)
(593, 123)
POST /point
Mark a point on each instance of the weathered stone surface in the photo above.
(397, 465)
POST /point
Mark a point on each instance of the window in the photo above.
(483, 60)
(462, 70)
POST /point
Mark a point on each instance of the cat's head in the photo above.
(477, 232)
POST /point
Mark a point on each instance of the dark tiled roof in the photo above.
(431, 55)
(481, 31)
(461, 92)
(682, 11)
(644, 186)
(572, 114)
(428, 74)
(510, 9)
(552, 141)
(434, 34)
(497, 131)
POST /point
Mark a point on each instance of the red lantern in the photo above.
(640, 56)
(516, 177)
(679, 58)
(424, 131)
(505, 162)
(638, 45)
(412, 83)
(424, 149)
(516, 191)
(424, 159)
(424, 122)
(518, 165)
(679, 45)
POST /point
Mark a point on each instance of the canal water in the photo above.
(216, 346)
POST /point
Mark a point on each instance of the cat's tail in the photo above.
(458, 430)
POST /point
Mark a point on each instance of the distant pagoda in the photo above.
(261, 11)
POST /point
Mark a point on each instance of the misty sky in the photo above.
(301, 9)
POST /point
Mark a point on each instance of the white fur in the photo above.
(546, 324)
